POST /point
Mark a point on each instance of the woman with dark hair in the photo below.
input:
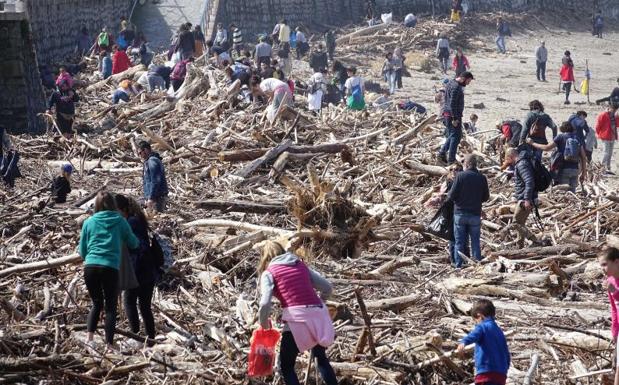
(199, 41)
(100, 246)
(144, 267)
(535, 124)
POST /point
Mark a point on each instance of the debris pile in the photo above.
(347, 189)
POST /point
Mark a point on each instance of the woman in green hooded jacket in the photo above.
(101, 241)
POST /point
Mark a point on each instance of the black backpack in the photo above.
(543, 178)
(156, 252)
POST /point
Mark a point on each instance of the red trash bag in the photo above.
(262, 352)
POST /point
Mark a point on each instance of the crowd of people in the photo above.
(118, 234)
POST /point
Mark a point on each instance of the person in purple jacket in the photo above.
(307, 321)
(492, 358)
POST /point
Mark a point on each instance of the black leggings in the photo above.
(143, 293)
(176, 84)
(102, 285)
(288, 356)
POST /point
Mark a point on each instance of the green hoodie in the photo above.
(102, 238)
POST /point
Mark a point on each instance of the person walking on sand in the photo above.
(606, 130)
(503, 30)
(307, 324)
(541, 57)
(460, 62)
(442, 52)
(567, 75)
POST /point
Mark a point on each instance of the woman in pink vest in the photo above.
(307, 321)
(609, 260)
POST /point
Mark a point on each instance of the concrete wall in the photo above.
(21, 93)
(55, 23)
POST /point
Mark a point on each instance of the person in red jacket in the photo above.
(567, 75)
(606, 130)
(120, 60)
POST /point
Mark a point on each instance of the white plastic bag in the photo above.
(387, 18)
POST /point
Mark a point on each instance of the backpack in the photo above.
(536, 130)
(543, 178)
(103, 39)
(356, 92)
(571, 153)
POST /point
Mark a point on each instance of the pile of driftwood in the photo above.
(347, 191)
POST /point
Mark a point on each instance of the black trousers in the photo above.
(144, 295)
(288, 352)
(176, 84)
(102, 285)
(541, 70)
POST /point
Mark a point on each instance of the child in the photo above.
(471, 126)
(609, 260)
(491, 353)
(61, 185)
(307, 321)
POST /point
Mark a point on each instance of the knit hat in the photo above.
(67, 168)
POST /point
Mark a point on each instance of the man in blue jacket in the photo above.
(154, 181)
(492, 358)
(468, 192)
(452, 111)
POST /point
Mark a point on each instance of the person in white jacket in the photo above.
(317, 88)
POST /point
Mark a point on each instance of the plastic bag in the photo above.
(441, 224)
(262, 352)
(387, 17)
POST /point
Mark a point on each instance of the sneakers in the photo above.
(608, 172)
(566, 102)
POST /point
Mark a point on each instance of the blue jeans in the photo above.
(500, 43)
(467, 226)
(288, 356)
(454, 135)
(452, 251)
(391, 79)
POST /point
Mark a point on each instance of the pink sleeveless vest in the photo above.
(293, 285)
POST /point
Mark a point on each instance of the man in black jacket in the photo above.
(469, 191)
(318, 59)
(524, 187)
(452, 111)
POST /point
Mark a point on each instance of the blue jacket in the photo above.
(491, 351)
(154, 182)
(581, 128)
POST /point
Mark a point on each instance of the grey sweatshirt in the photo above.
(267, 285)
(541, 54)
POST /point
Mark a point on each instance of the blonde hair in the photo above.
(270, 250)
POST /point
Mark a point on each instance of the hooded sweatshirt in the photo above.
(102, 239)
